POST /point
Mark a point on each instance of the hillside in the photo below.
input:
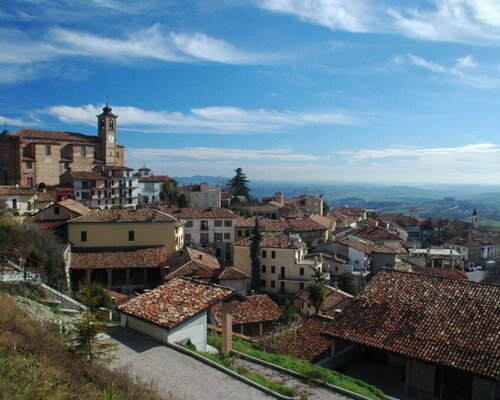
(36, 364)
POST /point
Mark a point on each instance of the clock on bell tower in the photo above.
(107, 132)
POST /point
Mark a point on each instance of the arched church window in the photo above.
(111, 124)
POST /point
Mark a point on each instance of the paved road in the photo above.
(175, 375)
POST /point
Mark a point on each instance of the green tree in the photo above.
(255, 255)
(182, 201)
(238, 184)
(345, 282)
(317, 294)
(166, 192)
(86, 334)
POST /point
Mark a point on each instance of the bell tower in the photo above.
(474, 219)
(107, 132)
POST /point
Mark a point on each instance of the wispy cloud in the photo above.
(202, 120)
(16, 122)
(471, 21)
(464, 70)
(461, 153)
(38, 51)
(214, 153)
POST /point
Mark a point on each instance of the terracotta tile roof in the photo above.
(275, 203)
(351, 211)
(192, 270)
(367, 246)
(192, 263)
(375, 233)
(291, 211)
(85, 175)
(323, 221)
(273, 241)
(230, 273)
(309, 343)
(336, 214)
(450, 322)
(155, 178)
(45, 197)
(200, 213)
(334, 299)
(468, 242)
(47, 225)
(125, 215)
(175, 301)
(304, 225)
(74, 206)
(53, 135)
(449, 273)
(256, 308)
(116, 298)
(17, 191)
(118, 257)
(281, 225)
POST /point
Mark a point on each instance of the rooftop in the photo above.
(125, 215)
(40, 134)
(450, 322)
(117, 257)
(309, 343)
(175, 301)
(200, 213)
(17, 191)
(334, 298)
(256, 308)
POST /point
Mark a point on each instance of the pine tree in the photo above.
(85, 340)
(238, 185)
(255, 255)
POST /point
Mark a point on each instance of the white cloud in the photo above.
(202, 120)
(461, 153)
(213, 153)
(15, 122)
(463, 71)
(471, 21)
(42, 52)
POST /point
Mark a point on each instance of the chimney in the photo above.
(200, 256)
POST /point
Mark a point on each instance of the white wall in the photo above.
(356, 255)
(194, 329)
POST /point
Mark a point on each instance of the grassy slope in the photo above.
(35, 364)
(304, 367)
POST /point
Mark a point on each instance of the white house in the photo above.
(168, 315)
(203, 195)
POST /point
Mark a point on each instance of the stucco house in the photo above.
(175, 311)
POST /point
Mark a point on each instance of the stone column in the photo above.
(227, 327)
(127, 274)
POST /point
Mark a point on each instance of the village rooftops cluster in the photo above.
(277, 241)
(445, 321)
(281, 225)
(175, 301)
(122, 215)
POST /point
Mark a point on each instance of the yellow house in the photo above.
(283, 267)
(124, 250)
(127, 228)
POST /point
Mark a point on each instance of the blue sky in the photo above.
(312, 90)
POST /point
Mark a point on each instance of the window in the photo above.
(263, 268)
(227, 236)
(110, 124)
(131, 236)
(273, 284)
(273, 269)
(204, 237)
(301, 272)
(189, 224)
(218, 222)
(47, 150)
(204, 225)
(239, 233)
(262, 283)
(247, 233)
(57, 210)
(218, 236)
(228, 223)
(83, 236)
(273, 254)
(264, 253)
(187, 237)
(29, 164)
(83, 151)
(301, 286)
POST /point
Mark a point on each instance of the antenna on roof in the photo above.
(107, 101)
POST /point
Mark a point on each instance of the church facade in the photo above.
(29, 157)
